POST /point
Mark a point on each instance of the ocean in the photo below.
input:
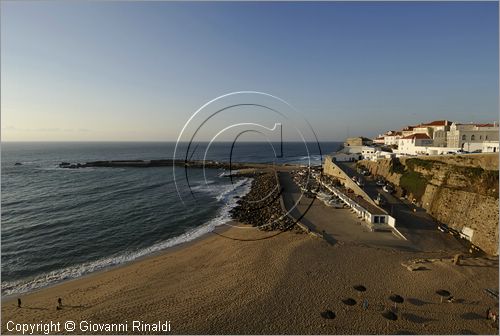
(60, 224)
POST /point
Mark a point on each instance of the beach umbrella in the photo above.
(328, 314)
(443, 293)
(396, 299)
(389, 316)
(360, 288)
(349, 301)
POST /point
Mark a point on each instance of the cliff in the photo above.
(460, 191)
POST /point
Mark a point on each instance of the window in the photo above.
(382, 219)
(486, 137)
(464, 137)
(472, 137)
(480, 137)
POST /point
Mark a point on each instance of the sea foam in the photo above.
(227, 196)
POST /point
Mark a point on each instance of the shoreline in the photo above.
(249, 285)
(185, 244)
(221, 227)
(250, 172)
(281, 285)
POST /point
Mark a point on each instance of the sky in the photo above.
(137, 71)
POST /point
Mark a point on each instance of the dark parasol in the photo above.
(443, 293)
(396, 299)
(360, 288)
(328, 314)
(389, 315)
(349, 301)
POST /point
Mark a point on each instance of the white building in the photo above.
(391, 138)
(367, 151)
(408, 130)
(379, 140)
(414, 144)
(378, 154)
(490, 147)
(436, 130)
(470, 137)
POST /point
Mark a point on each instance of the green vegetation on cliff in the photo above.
(482, 181)
(411, 182)
(396, 167)
(416, 174)
(414, 183)
(426, 164)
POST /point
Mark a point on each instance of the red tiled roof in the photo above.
(436, 123)
(416, 136)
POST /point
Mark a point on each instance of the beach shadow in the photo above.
(404, 332)
(328, 238)
(75, 307)
(472, 316)
(487, 266)
(421, 268)
(35, 308)
(417, 302)
(415, 318)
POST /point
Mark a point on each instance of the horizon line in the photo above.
(146, 141)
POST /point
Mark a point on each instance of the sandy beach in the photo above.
(218, 285)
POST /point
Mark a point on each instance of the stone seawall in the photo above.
(460, 191)
(330, 168)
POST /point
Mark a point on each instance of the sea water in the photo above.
(60, 224)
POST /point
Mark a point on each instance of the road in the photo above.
(418, 227)
(335, 224)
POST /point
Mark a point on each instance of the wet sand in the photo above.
(217, 285)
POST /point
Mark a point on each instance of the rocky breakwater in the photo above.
(261, 206)
(459, 191)
(158, 163)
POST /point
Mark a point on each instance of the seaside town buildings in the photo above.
(414, 144)
(432, 138)
(474, 137)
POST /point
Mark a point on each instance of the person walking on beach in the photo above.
(59, 304)
(488, 313)
(365, 304)
(18, 302)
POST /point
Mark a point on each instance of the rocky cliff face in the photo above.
(460, 191)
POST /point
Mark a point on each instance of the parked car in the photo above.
(380, 183)
(443, 228)
(388, 189)
(335, 204)
(359, 183)
(323, 196)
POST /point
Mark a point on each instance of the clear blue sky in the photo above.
(138, 70)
